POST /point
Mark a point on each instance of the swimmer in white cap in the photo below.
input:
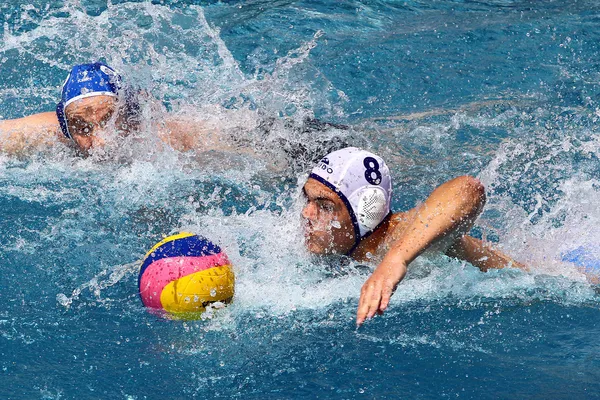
(347, 211)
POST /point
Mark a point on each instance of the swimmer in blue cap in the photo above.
(94, 102)
(347, 211)
(89, 100)
(93, 99)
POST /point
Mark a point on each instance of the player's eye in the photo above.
(326, 206)
(105, 119)
(82, 127)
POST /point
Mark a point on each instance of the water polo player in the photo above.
(94, 103)
(347, 211)
(91, 98)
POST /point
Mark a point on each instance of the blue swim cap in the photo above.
(86, 80)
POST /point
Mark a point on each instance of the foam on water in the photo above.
(170, 192)
(77, 227)
(174, 54)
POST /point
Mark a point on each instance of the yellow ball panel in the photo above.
(191, 293)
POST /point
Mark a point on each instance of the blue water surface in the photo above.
(503, 90)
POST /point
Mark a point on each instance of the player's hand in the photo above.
(377, 290)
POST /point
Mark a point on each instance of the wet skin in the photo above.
(443, 219)
(93, 120)
(327, 224)
(87, 118)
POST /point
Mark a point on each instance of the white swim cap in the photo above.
(363, 182)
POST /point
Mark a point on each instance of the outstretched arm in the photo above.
(32, 132)
(448, 212)
(199, 135)
(185, 135)
(482, 254)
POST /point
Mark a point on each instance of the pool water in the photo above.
(503, 90)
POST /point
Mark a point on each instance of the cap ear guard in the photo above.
(371, 208)
(62, 120)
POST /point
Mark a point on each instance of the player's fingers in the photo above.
(374, 300)
(386, 294)
(363, 304)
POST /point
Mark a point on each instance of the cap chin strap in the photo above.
(62, 120)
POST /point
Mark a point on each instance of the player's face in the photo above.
(87, 119)
(327, 224)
